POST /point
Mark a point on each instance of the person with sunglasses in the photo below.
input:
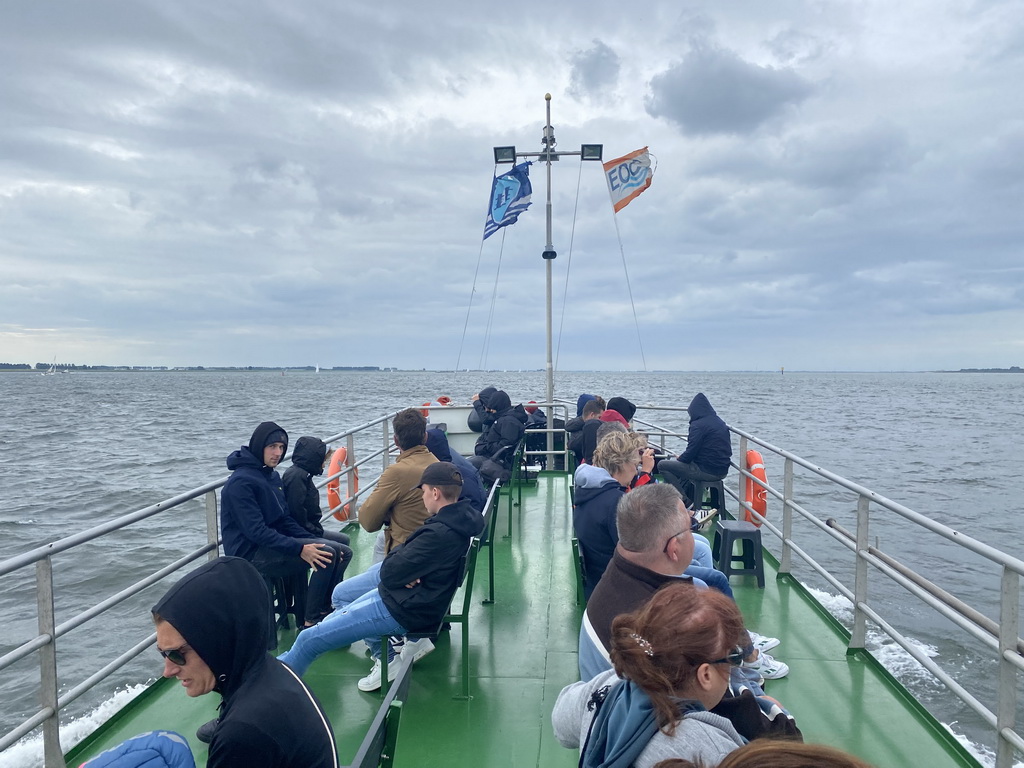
(211, 630)
(674, 657)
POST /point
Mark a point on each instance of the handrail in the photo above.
(1002, 638)
(45, 641)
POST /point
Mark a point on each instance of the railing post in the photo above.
(53, 757)
(211, 524)
(1009, 630)
(350, 443)
(786, 563)
(741, 491)
(386, 456)
(860, 588)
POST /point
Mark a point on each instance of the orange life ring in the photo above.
(339, 459)
(441, 400)
(757, 497)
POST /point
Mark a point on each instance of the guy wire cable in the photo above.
(565, 290)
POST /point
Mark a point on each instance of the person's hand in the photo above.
(475, 397)
(316, 555)
(647, 460)
(412, 584)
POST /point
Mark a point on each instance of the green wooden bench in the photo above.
(378, 747)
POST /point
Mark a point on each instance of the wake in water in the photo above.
(28, 753)
(904, 667)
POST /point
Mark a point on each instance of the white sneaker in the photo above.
(763, 643)
(372, 681)
(417, 649)
(703, 517)
(767, 667)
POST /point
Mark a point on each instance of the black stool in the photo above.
(727, 533)
(716, 494)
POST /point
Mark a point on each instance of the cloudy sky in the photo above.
(839, 185)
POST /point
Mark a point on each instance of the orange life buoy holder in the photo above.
(756, 496)
(339, 460)
(441, 400)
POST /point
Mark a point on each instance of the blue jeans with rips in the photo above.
(359, 614)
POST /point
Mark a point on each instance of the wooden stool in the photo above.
(727, 533)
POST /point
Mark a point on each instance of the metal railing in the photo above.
(372, 441)
(1000, 637)
(44, 644)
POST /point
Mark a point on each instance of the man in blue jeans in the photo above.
(409, 591)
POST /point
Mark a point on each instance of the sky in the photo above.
(839, 185)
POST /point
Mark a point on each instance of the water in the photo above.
(78, 449)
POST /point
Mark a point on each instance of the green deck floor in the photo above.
(523, 650)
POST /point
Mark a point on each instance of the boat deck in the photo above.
(523, 651)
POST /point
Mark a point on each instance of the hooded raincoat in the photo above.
(268, 717)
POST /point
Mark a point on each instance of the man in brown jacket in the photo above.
(396, 504)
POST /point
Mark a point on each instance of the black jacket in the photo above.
(506, 431)
(268, 718)
(708, 443)
(302, 496)
(432, 554)
(253, 512)
(480, 419)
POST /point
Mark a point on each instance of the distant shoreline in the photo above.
(71, 368)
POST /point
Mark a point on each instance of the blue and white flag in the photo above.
(510, 196)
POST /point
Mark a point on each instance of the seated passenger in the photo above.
(655, 547)
(409, 591)
(303, 499)
(673, 655)
(592, 410)
(472, 490)
(257, 526)
(480, 419)
(707, 454)
(598, 488)
(496, 447)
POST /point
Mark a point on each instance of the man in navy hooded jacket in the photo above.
(707, 454)
(254, 517)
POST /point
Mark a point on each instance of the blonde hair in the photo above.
(617, 450)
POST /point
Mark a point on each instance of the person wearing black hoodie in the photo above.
(480, 419)
(303, 500)
(498, 442)
(410, 591)
(256, 525)
(211, 630)
(707, 454)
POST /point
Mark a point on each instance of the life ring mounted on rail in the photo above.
(441, 400)
(756, 496)
(339, 460)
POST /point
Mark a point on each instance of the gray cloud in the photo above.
(259, 184)
(713, 90)
(593, 71)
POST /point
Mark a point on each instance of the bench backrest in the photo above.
(378, 747)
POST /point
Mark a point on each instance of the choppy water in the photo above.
(78, 449)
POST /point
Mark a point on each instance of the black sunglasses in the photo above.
(664, 550)
(175, 655)
(734, 658)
